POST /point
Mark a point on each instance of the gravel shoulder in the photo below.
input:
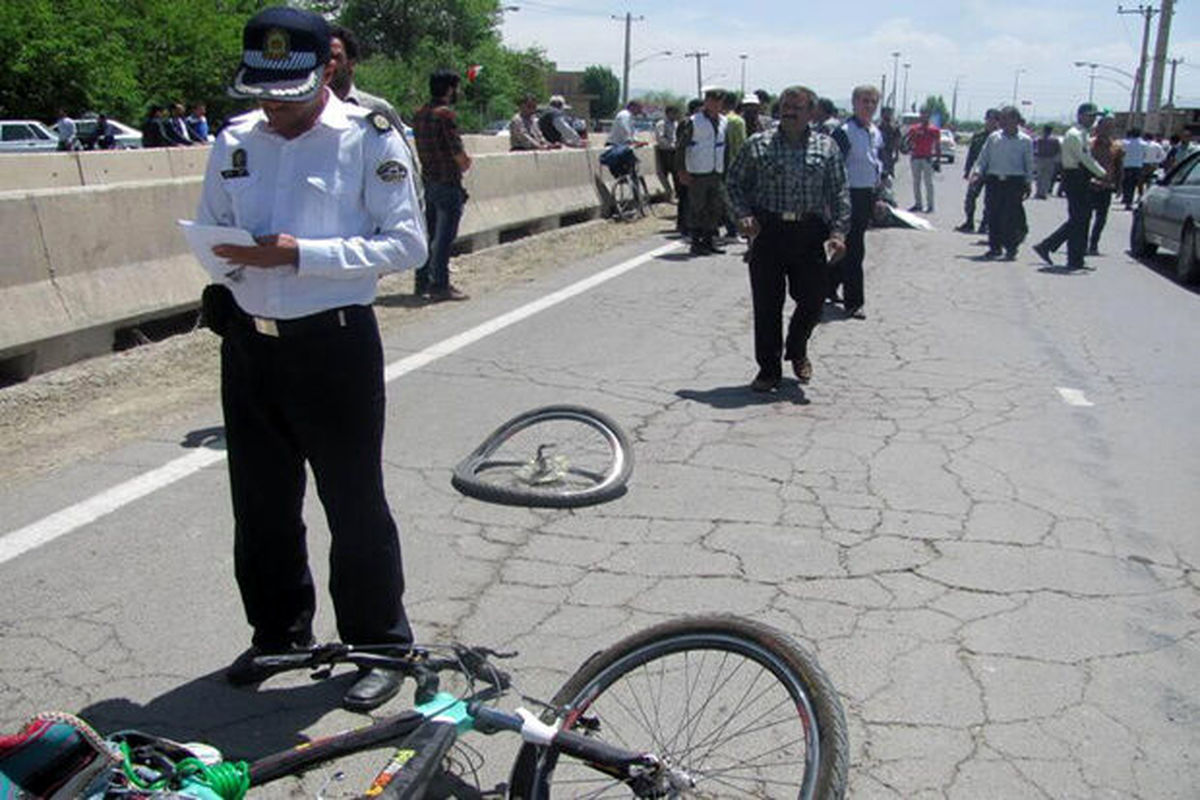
(95, 406)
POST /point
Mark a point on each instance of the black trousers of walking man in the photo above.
(849, 273)
(787, 258)
(1005, 213)
(1079, 210)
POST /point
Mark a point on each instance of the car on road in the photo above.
(948, 146)
(26, 136)
(1169, 217)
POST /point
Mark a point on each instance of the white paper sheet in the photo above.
(202, 238)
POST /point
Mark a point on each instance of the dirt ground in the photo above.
(97, 405)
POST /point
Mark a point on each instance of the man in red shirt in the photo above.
(925, 147)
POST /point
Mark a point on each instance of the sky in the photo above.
(988, 48)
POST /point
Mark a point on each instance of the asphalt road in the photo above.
(981, 516)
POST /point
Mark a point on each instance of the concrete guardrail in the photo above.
(89, 244)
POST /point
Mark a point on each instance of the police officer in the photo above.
(788, 190)
(326, 189)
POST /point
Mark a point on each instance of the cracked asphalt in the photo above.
(1002, 585)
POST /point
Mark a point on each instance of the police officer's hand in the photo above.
(749, 227)
(275, 250)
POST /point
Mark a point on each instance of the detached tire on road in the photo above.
(560, 456)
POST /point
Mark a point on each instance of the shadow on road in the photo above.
(1164, 265)
(241, 723)
(741, 396)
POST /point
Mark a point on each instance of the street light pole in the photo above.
(743, 57)
(1017, 83)
(954, 100)
(895, 73)
(905, 108)
(1139, 83)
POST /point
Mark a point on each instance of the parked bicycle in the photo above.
(700, 707)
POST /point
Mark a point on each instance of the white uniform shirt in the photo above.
(1155, 154)
(622, 128)
(1135, 152)
(343, 188)
(66, 130)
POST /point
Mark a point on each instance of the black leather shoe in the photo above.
(802, 367)
(243, 671)
(764, 383)
(373, 688)
(1043, 253)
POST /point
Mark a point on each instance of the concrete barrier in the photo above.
(80, 261)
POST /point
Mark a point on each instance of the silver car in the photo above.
(1168, 217)
(26, 136)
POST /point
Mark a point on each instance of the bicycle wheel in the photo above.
(738, 706)
(560, 456)
(624, 199)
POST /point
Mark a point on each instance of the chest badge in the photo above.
(237, 163)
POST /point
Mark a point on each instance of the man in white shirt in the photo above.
(860, 142)
(622, 127)
(1155, 155)
(556, 128)
(67, 139)
(664, 148)
(326, 188)
(1135, 159)
(1006, 166)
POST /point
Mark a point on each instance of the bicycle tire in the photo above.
(700, 647)
(600, 475)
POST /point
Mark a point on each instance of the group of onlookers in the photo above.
(174, 127)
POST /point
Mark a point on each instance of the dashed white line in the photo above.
(1073, 397)
(87, 511)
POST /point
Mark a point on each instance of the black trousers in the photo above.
(314, 396)
(1005, 213)
(848, 272)
(786, 258)
(1075, 230)
(1129, 181)
(972, 198)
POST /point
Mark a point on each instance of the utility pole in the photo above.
(954, 100)
(1160, 56)
(905, 109)
(699, 80)
(1171, 96)
(743, 57)
(1017, 83)
(883, 89)
(1139, 83)
(629, 18)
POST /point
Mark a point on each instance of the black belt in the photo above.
(792, 217)
(320, 322)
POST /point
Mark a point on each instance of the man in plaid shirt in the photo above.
(789, 193)
(443, 162)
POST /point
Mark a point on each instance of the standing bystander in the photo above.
(1047, 155)
(664, 149)
(443, 162)
(788, 190)
(301, 358)
(991, 121)
(890, 132)
(1109, 155)
(1135, 159)
(700, 166)
(925, 152)
(862, 144)
(1006, 166)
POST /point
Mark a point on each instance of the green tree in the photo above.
(601, 82)
(936, 106)
(664, 98)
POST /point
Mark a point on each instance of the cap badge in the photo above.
(276, 45)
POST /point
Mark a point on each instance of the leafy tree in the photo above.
(936, 106)
(600, 81)
(664, 98)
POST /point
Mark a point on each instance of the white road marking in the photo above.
(87, 511)
(1074, 397)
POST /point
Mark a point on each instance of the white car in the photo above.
(948, 146)
(26, 136)
(1169, 217)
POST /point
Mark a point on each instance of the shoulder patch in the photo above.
(392, 172)
(379, 122)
